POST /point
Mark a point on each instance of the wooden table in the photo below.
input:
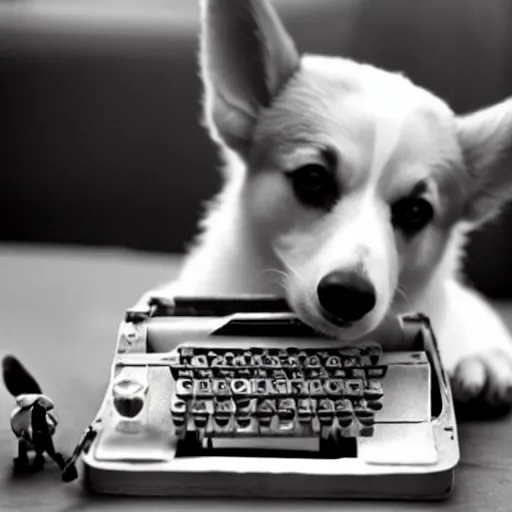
(59, 312)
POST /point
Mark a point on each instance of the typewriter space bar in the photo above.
(303, 444)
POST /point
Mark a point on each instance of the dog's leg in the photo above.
(476, 347)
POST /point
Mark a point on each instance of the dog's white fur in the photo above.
(270, 111)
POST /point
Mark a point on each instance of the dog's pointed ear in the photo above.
(486, 140)
(246, 58)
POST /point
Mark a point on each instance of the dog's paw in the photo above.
(486, 377)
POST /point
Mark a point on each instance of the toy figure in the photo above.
(32, 420)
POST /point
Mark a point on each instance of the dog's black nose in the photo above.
(347, 296)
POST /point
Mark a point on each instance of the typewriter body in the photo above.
(236, 397)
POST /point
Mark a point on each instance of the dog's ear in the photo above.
(246, 58)
(486, 140)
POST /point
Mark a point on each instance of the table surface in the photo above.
(59, 313)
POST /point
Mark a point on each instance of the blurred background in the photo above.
(101, 142)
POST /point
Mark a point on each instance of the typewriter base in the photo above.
(161, 481)
(411, 454)
(148, 464)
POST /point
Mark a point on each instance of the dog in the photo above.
(350, 191)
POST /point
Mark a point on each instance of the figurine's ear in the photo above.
(246, 58)
(17, 379)
(486, 140)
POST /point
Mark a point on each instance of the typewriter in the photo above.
(235, 397)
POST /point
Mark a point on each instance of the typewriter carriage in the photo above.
(114, 464)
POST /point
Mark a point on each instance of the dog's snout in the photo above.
(348, 296)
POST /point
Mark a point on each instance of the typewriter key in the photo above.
(203, 388)
(178, 406)
(358, 373)
(344, 412)
(333, 362)
(366, 430)
(279, 373)
(229, 359)
(298, 388)
(291, 362)
(323, 355)
(286, 408)
(221, 421)
(178, 418)
(351, 352)
(200, 413)
(285, 425)
(315, 387)
(377, 372)
(186, 354)
(373, 390)
(248, 358)
(227, 374)
(221, 387)
(354, 388)
(270, 362)
(295, 373)
(339, 373)
(184, 388)
(241, 387)
(317, 373)
(257, 359)
(305, 409)
(281, 386)
(365, 415)
(312, 362)
(325, 412)
(350, 362)
(265, 410)
(259, 387)
(246, 425)
(369, 357)
(334, 387)
(223, 406)
(302, 356)
(374, 405)
(186, 373)
(199, 361)
(203, 374)
(374, 353)
(239, 361)
(223, 426)
(282, 354)
(217, 362)
(245, 406)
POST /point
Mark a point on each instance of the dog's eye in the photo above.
(411, 214)
(314, 185)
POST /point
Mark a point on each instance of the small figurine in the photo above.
(32, 420)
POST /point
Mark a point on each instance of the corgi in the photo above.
(350, 191)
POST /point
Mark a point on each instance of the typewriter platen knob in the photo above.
(129, 397)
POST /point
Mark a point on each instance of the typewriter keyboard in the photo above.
(277, 393)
